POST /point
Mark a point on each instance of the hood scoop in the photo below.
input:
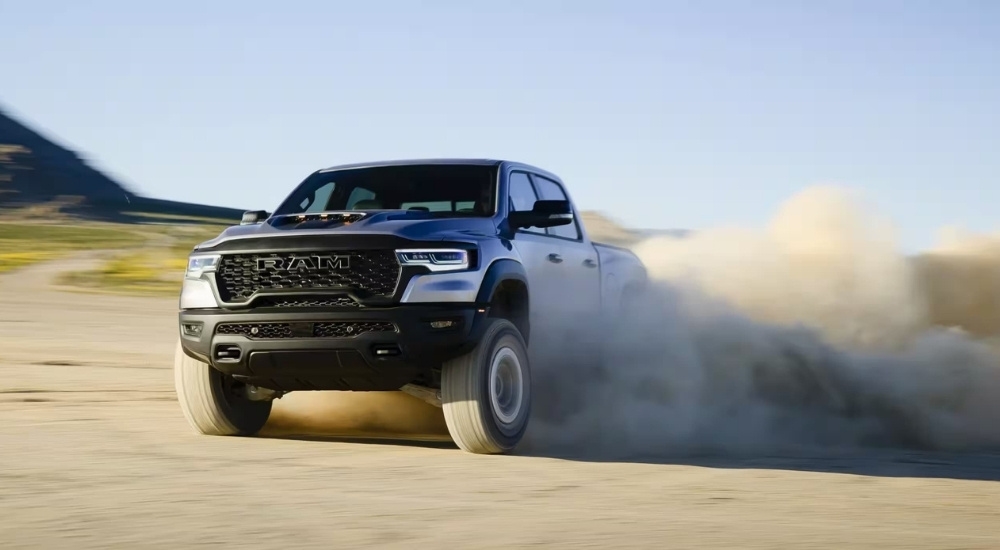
(315, 219)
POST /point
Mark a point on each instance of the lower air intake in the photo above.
(276, 331)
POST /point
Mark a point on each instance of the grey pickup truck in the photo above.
(431, 277)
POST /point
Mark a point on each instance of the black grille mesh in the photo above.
(332, 301)
(272, 331)
(373, 272)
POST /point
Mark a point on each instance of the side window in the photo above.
(320, 199)
(522, 195)
(551, 191)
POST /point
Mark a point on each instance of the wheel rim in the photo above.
(506, 385)
(231, 392)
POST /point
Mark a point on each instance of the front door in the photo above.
(581, 274)
(544, 260)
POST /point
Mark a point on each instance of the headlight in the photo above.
(199, 264)
(436, 259)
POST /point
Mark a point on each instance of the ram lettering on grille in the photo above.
(294, 263)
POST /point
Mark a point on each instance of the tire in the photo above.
(486, 394)
(209, 400)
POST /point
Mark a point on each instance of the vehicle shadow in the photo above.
(321, 420)
(891, 463)
(366, 439)
(886, 462)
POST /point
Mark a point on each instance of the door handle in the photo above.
(589, 263)
(555, 258)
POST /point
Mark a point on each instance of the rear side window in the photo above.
(549, 190)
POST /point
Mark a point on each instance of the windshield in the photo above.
(444, 190)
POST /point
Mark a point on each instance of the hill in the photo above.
(39, 175)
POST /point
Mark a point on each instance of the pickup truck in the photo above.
(431, 277)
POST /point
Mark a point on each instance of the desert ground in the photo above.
(96, 454)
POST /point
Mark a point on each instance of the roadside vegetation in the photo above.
(23, 244)
(135, 272)
(154, 269)
(136, 259)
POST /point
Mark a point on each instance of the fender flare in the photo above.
(498, 272)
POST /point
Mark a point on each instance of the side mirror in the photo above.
(254, 216)
(543, 214)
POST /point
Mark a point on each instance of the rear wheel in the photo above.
(486, 394)
(215, 403)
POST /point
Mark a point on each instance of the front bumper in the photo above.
(324, 349)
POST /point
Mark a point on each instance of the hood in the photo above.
(408, 224)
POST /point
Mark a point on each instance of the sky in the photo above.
(662, 114)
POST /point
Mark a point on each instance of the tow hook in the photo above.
(256, 393)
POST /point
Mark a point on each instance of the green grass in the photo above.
(146, 272)
(155, 269)
(13, 259)
(23, 244)
(148, 259)
(73, 236)
(179, 218)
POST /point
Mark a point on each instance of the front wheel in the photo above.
(214, 403)
(486, 394)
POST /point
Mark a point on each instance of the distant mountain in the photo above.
(36, 172)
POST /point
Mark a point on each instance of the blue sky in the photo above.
(663, 114)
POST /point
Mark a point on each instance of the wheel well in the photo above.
(510, 301)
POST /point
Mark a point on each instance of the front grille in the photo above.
(367, 272)
(332, 301)
(274, 331)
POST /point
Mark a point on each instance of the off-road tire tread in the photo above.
(203, 410)
(465, 400)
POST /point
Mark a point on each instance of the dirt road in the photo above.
(94, 453)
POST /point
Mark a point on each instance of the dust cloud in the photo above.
(814, 331)
(356, 414)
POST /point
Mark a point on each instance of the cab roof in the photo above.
(442, 161)
(410, 162)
